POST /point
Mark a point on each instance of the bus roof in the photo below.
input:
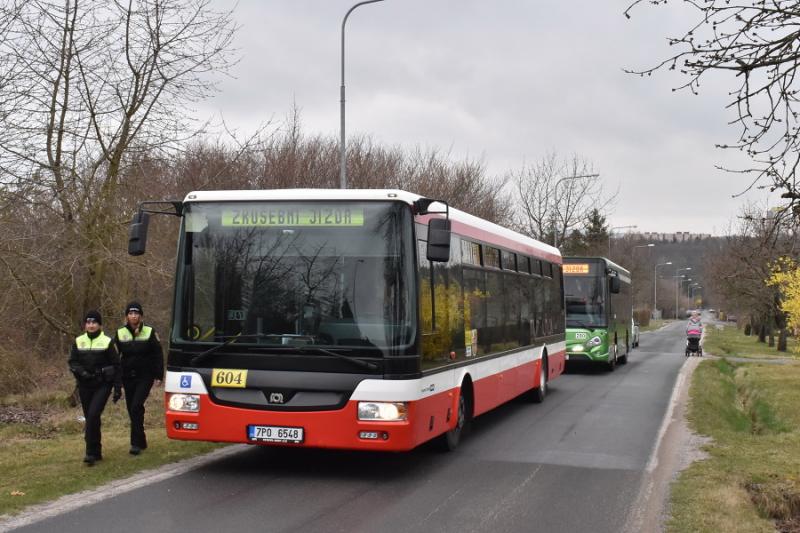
(609, 262)
(487, 231)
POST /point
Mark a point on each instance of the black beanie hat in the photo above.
(95, 315)
(134, 306)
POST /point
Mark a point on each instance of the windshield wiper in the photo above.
(199, 358)
(303, 349)
(202, 356)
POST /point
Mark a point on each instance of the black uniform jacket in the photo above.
(94, 360)
(141, 353)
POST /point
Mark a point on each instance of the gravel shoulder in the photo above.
(676, 448)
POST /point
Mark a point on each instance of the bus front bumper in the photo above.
(339, 429)
(598, 354)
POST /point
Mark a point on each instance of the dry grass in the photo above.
(728, 340)
(42, 446)
(654, 325)
(751, 479)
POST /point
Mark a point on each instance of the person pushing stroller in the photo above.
(694, 331)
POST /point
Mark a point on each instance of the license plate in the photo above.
(275, 434)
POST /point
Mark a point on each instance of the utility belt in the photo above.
(102, 375)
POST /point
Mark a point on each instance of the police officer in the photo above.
(142, 365)
(94, 361)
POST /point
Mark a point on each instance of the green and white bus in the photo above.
(598, 308)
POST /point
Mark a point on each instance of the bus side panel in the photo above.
(520, 375)
(556, 362)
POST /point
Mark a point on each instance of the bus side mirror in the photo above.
(613, 285)
(137, 235)
(439, 240)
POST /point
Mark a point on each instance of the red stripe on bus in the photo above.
(427, 418)
(486, 235)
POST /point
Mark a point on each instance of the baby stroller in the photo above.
(693, 346)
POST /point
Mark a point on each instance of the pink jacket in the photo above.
(694, 327)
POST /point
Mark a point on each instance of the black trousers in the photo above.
(136, 392)
(93, 401)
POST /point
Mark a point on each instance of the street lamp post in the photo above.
(555, 193)
(655, 285)
(688, 282)
(690, 288)
(611, 230)
(678, 286)
(693, 289)
(342, 147)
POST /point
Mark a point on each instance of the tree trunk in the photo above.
(762, 332)
(771, 331)
(782, 340)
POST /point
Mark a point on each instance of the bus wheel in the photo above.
(449, 441)
(624, 359)
(612, 359)
(537, 395)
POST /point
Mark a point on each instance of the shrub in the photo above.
(20, 371)
(642, 316)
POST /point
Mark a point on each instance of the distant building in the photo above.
(678, 236)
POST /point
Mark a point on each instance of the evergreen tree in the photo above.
(595, 234)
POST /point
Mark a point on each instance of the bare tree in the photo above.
(551, 202)
(738, 272)
(87, 85)
(759, 43)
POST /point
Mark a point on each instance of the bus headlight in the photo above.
(391, 411)
(187, 403)
(595, 341)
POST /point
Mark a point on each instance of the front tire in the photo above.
(612, 361)
(624, 359)
(451, 439)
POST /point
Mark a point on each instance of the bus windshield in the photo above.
(585, 301)
(334, 274)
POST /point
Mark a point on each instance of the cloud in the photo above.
(507, 81)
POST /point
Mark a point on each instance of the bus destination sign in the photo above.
(281, 216)
(576, 268)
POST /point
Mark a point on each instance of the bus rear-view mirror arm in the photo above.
(137, 234)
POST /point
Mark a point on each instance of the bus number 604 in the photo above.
(224, 377)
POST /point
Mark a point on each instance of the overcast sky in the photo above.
(504, 81)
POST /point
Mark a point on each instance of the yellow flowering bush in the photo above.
(786, 277)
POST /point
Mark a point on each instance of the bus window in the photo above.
(509, 260)
(491, 257)
(470, 253)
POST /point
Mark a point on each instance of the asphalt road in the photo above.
(574, 463)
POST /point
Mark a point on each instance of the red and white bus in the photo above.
(357, 319)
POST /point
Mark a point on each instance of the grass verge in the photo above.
(751, 479)
(728, 340)
(654, 325)
(42, 447)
